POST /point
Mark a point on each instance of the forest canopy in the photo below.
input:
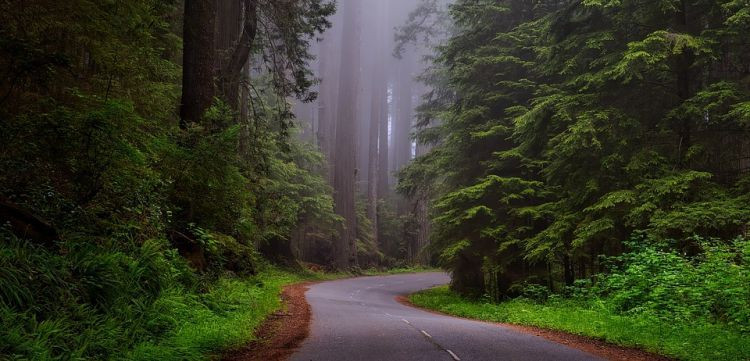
(566, 132)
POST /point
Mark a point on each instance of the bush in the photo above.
(713, 286)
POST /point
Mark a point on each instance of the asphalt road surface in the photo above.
(359, 319)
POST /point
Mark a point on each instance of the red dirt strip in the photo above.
(279, 335)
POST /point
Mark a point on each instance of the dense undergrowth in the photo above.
(691, 308)
(562, 128)
(124, 233)
(147, 305)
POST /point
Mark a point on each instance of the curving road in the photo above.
(359, 319)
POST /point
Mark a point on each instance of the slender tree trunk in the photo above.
(346, 132)
(198, 60)
(383, 186)
(404, 113)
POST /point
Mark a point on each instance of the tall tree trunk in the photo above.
(346, 132)
(198, 60)
(235, 60)
(404, 112)
(229, 25)
(378, 117)
(329, 92)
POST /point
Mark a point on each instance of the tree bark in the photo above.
(404, 112)
(229, 23)
(346, 131)
(383, 150)
(378, 118)
(329, 86)
(232, 68)
(198, 60)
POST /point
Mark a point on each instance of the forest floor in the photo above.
(596, 329)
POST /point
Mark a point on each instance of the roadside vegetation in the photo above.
(150, 210)
(162, 161)
(689, 308)
(590, 157)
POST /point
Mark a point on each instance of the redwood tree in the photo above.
(198, 60)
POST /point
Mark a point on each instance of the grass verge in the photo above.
(226, 316)
(399, 270)
(223, 318)
(686, 341)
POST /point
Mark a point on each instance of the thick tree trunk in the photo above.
(378, 118)
(235, 60)
(198, 60)
(328, 96)
(346, 131)
(229, 20)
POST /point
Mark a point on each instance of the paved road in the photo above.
(359, 320)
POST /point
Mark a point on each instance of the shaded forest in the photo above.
(596, 150)
(160, 157)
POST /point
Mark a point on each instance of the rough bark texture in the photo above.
(198, 60)
(346, 131)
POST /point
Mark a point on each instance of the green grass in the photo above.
(399, 270)
(686, 341)
(227, 316)
(224, 318)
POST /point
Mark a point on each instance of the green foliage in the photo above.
(711, 286)
(224, 317)
(684, 340)
(154, 222)
(561, 128)
(89, 303)
(368, 252)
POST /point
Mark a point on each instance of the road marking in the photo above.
(453, 355)
(405, 321)
(426, 334)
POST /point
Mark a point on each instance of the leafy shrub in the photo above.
(713, 286)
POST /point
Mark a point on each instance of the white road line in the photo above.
(453, 355)
(406, 322)
(426, 334)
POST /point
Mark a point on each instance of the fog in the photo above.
(364, 117)
(386, 85)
